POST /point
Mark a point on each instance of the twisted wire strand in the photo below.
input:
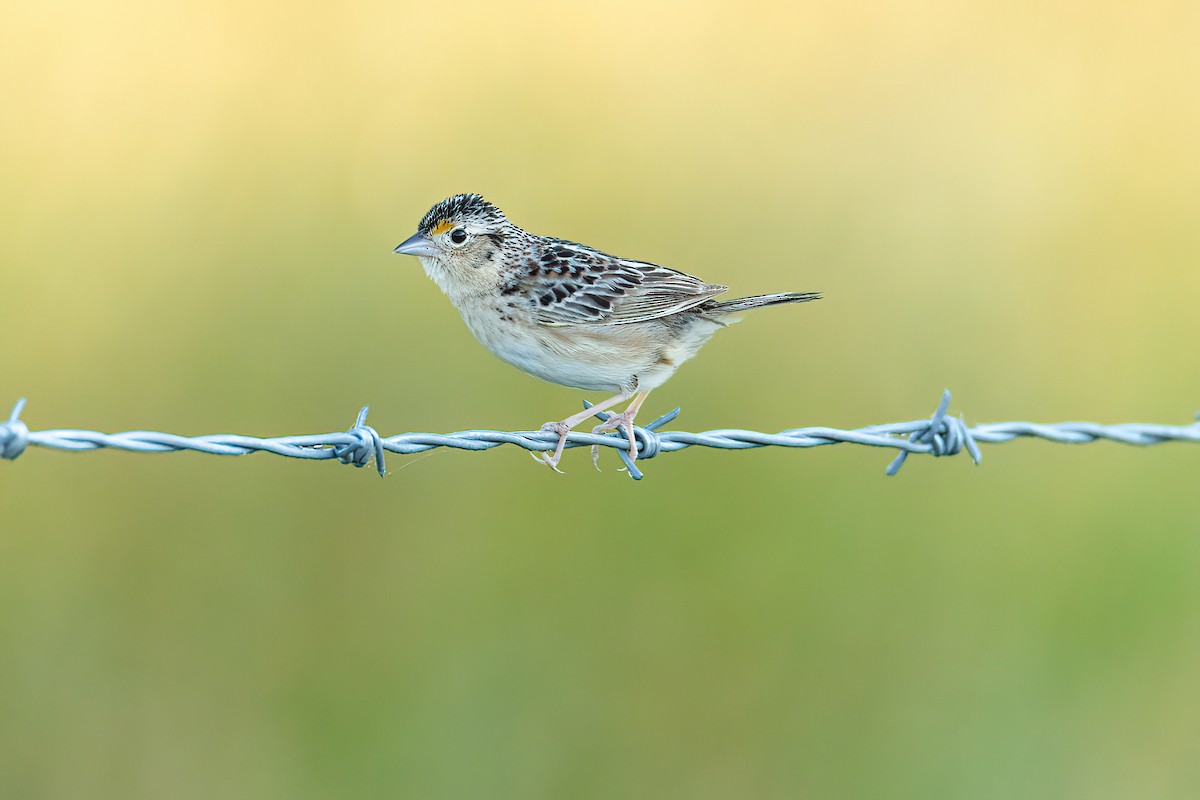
(940, 435)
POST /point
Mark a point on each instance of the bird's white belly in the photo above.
(592, 359)
(584, 362)
(612, 358)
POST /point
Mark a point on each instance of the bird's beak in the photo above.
(416, 245)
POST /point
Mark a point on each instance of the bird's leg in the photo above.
(616, 420)
(563, 429)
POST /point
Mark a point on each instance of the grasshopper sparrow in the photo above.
(569, 314)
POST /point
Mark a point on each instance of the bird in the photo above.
(570, 314)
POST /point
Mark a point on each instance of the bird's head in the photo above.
(458, 241)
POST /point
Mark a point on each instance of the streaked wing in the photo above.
(572, 284)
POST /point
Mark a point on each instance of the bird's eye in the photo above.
(458, 236)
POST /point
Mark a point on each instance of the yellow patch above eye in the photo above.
(442, 227)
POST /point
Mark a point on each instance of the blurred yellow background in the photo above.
(200, 202)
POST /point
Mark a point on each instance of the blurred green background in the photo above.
(199, 202)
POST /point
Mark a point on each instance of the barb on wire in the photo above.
(940, 435)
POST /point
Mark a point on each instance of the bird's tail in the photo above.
(761, 301)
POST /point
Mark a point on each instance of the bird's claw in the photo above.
(545, 459)
(615, 422)
(551, 459)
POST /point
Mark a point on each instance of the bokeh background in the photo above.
(199, 202)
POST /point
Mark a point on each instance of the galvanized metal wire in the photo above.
(940, 435)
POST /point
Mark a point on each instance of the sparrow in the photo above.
(570, 314)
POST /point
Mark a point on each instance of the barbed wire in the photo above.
(940, 435)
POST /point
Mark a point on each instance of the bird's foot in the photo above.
(622, 420)
(551, 459)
